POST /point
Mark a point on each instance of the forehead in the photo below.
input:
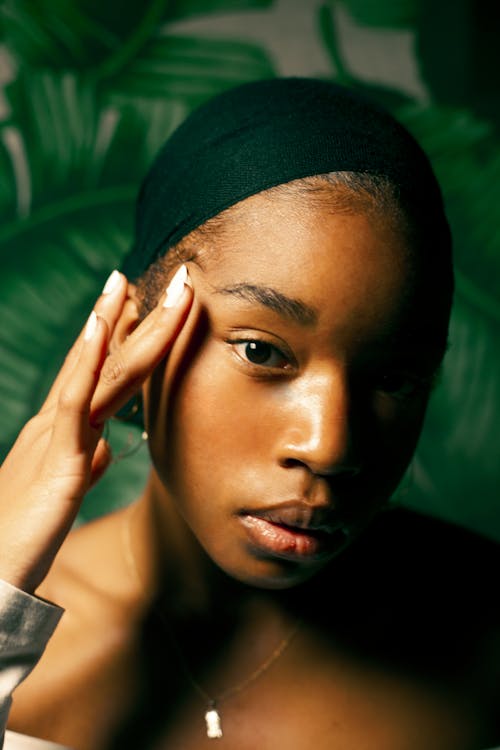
(294, 214)
(355, 269)
(290, 238)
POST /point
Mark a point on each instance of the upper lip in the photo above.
(299, 514)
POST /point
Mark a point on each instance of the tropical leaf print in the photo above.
(92, 89)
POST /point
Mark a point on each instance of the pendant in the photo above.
(212, 718)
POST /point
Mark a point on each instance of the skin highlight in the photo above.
(315, 419)
(293, 392)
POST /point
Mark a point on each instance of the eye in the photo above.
(261, 353)
(400, 384)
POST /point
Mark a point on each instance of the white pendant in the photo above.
(214, 729)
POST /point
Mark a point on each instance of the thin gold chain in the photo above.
(252, 677)
(133, 569)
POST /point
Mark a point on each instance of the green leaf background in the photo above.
(90, 91)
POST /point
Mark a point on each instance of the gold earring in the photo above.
(131, 414)
(131, 411)
(131, 446)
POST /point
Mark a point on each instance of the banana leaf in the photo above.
(393, 14)
(69, 186)
(92, 98)
(457, 473)
(87, 35)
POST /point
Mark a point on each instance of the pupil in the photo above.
(392, 382)
(257, 352)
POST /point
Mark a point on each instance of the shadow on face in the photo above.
(305, 384)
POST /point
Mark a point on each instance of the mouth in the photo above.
(295, 532)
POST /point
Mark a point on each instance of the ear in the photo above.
(128, 320)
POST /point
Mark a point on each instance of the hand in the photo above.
(60, 453)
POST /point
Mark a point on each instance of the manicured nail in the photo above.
(176, 287)
(111, 283)
(91, 326)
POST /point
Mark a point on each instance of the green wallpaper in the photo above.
(90, 91)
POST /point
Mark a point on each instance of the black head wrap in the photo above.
(266, 133)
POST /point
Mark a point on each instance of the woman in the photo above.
(283, 378)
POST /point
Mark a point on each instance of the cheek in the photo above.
(215, 424)
(400, 420)
(397, 430)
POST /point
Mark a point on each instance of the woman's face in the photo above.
(300, 407)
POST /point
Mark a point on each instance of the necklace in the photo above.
(212, 714)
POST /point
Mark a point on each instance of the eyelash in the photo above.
(410, 384)
(256, 343)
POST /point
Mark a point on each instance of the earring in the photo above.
(131, 446)
(131, 413)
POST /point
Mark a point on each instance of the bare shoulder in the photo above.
(91, 565)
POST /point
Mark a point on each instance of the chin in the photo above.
(274, 575)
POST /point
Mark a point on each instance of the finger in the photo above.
(110, 304)
(101, 460)
(108, 307)
(165, 378)
(72, 434)
(125, 369)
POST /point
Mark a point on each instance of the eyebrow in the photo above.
(287, 307)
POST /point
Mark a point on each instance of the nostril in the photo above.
(290, 463)
(336, 470)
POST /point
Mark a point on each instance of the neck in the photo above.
(174, 574)
(168, 564)
(245, 627)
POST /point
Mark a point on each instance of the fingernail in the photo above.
(91, 326)
(111, 283)
(176, 287)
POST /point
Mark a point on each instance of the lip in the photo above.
(294, 531)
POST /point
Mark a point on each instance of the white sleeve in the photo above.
(26, 624)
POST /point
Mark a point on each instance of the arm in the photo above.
(60, 454)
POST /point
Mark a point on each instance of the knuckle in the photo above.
(68, 400)
(31, 429)
(113, 370)
(32, 425)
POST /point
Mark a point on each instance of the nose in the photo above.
(320, 427)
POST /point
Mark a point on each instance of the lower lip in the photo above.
(283, 541)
